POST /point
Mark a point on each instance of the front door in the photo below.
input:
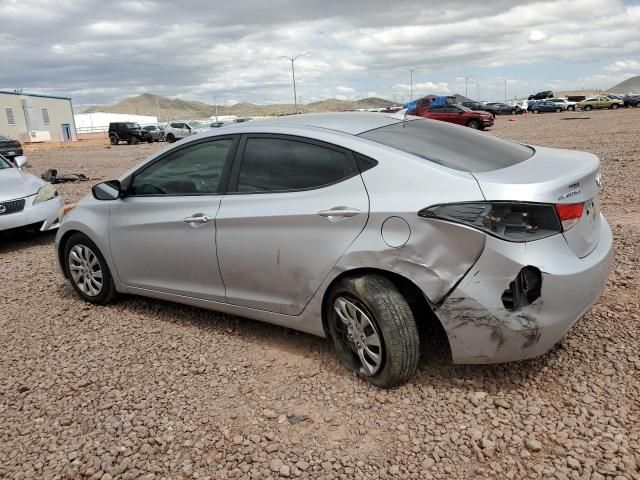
(298, 205)
(162, 233)
(66, 132)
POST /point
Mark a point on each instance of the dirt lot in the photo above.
(145, 389)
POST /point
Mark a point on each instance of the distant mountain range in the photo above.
(629, 85)
(145, 104)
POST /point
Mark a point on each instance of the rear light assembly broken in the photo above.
(510, 221)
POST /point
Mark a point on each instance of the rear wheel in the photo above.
(113, 140)
(373, 329)
(88, 271)
(558, 110)
(134, 141)
(150, 139)
(535, 110)
(171, 138)
(572, 108)
(475, 124)
(588, 108)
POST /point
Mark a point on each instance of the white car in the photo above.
(178, 129)
(566, 104)
(26, 200)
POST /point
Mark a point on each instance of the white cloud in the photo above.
(624, 66)
(537, 36)
(343, 89)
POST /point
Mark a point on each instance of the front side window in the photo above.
(275, 164)
(192, 170)
(4, 163)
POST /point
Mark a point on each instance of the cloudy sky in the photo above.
(100, 52)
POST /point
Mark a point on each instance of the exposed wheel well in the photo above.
(427, 321)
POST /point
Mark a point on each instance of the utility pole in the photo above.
(411, 70)
(505, 90)
(158, 108)
(466, 89)
(477, 91)
(293, 77)
(215, 101)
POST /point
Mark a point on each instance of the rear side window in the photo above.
(453, 147)
(276, 164)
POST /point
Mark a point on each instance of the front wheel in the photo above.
(475, 124)
(588, 108)
(171, 138)
(572, 108)
(535, 110)
(150, 140)
(113, 140)
(373, 329)
(558, 110)
(614, 106)
(88, 271)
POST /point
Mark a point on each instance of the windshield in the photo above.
(133, 125)
(4, 163)
(453, 147)
(3, 138)
(197, 125)
(463, 107)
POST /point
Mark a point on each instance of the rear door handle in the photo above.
(197, 219)
(339, 213)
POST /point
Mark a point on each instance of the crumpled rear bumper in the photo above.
(482, 330)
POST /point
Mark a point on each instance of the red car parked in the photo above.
(454, 113)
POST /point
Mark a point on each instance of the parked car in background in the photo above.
(217, 124)
(157, 133)
(546, 106)
(632, 101)
(576, 98)
(26, 201)
(500, 108)
(615, 96)
(129, 132)
(401, 214)
(566, 104)
(9, 148)
(600, 102)
(177, 129)
(541, 95)
(456, 113)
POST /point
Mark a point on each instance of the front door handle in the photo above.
(339, 213)
(197, 219)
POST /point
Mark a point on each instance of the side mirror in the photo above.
(20, 161)
(109, 190)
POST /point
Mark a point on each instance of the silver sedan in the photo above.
(26, 201)
(358, 227)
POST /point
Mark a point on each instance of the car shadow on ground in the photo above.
(19, 239)
(435, 365)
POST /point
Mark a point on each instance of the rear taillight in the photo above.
(512, 221)
(569, 214)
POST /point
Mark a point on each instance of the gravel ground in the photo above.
(146, 389)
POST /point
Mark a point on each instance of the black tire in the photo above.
(171, 138)
(150, 140)
(614, 106)
(381, 301)
(571, 108)
(535, 110)
(134, 141)
(108, 291)
(588, 108)
(558, 110)
(113, 140)
(475, 124)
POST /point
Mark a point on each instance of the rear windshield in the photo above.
(462, 149)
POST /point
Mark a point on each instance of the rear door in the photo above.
(162, 234)
(294, 206)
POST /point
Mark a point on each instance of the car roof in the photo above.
(353, 123)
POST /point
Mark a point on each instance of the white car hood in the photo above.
(15, 184)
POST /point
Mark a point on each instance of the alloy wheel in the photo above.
(85, 270)
(361, 334)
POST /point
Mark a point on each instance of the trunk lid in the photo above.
(553, 176)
